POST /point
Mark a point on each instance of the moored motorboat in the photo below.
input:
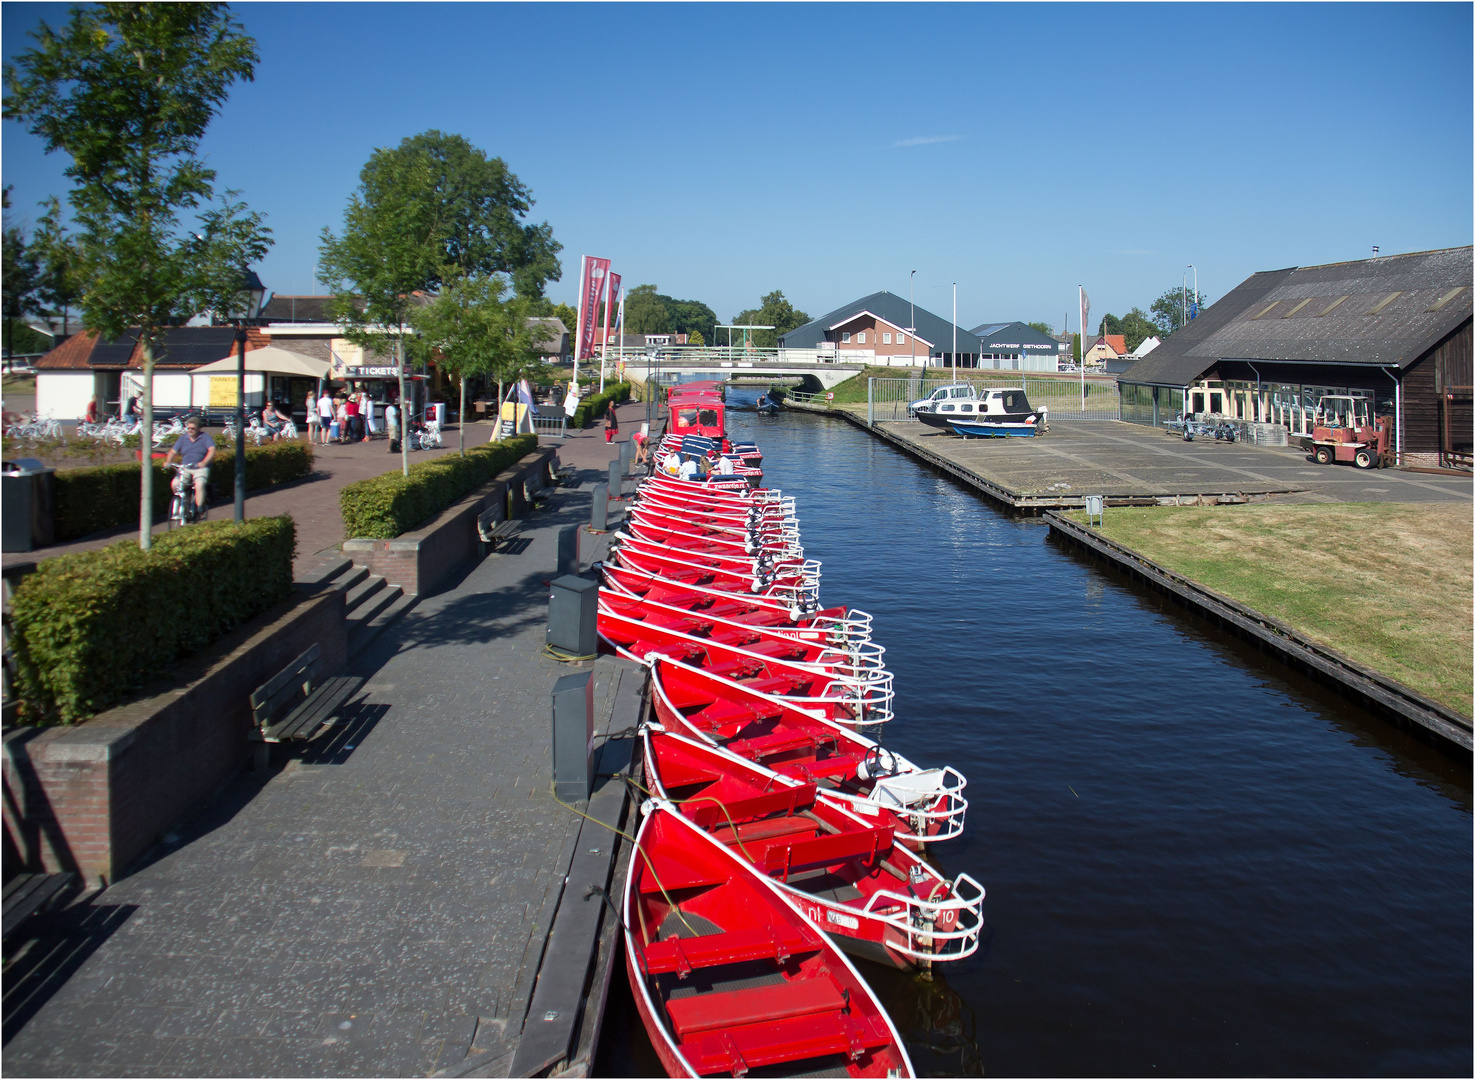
(1002, 412)
(728, 974)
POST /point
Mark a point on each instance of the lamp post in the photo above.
(252, 294)
(955, 331)
(1195, 289)
(912, 330)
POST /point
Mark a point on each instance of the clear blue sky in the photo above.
(722, 151)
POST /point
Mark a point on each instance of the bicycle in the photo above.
(183, 510)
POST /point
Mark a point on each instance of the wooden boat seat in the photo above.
(778, 650)
(780, 742)
(674, 875)
(759, 1005)
(797, 1038)
(839, 765)
(684, 955)
(732, 668)
(760, 833)
(786, 855)
(779, 684)
(722, 713)
(787, 800)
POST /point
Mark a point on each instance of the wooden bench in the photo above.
(563, 475)
(26, 894)
(491, 531)
(535, 491)
(309, 702)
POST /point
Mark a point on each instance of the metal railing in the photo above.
(551, 427)
(887, 399)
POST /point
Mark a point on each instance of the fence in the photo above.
(550, 427)
(887, 399)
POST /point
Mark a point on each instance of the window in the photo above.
(886, 339)
(901, 339)
(845, 337)
(861, 337)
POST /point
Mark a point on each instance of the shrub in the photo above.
(105, 496)
(383, 507)
(592, 407)
(92, 627)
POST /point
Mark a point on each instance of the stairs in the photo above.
(372, 603)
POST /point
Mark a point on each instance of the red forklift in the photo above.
(1345, 431)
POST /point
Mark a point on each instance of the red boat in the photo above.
(879, 899)
(730, 977)
(786, 583)
(851, 688)
(786, 739)
(716, 539)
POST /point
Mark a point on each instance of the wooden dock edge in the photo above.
(1378, 692)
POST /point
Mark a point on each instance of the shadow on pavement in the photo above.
(50, 952)
(338, 742)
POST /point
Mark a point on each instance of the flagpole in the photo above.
(579, 320)
(1082, 300)
(604, 345)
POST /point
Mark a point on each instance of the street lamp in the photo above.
(1195, 289)
(250, 299)
(912, 330)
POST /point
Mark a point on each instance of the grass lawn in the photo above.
(1389, 585)
(19, 384)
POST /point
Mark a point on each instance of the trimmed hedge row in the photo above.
(92, 627)
(104, 496)
(382, 507)
(592, 407)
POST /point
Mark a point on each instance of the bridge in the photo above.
(811, 376)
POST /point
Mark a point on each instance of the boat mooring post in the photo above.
(616, 479)
(568, 551)
(871, 402)
(599, 510)
(625, 458)
(573, 736)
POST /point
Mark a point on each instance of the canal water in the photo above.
(1197, 862)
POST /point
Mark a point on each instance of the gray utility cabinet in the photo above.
(27, 505)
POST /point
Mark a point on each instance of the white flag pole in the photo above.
(1082, 289)
(579, 320)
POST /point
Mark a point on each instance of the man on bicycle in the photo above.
(196, 450)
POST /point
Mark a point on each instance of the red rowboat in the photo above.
(729, 976)
(879, 899)
(795, 741)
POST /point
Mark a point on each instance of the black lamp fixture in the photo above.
(247, 311)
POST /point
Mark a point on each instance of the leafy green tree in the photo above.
(691, 317)
(1168, 308)
(20, 274)
(1136, 327)
(646, 312)
(696, 338)
(127, 90)
(476, 329)
(430, 210)
(59, 266)
(1042, 327)
(776, 311)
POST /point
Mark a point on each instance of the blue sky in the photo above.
(722, 151)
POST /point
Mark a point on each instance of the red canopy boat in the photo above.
(729, 976)
(880, 900)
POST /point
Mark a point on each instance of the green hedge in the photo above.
(592, 407)
(383, 507)
(92, 627)
(105, 496)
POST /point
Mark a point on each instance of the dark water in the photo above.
(1197, 862)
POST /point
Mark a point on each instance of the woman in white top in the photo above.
(366, 410)
(311, 405)
(325, 415)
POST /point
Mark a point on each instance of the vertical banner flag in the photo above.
(1085, 320)
(589, 289)
(610, 300)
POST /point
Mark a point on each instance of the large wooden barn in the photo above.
(1395, 330)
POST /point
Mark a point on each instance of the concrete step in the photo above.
(321, 569)
(373, 602)
(363, 588)
(354, 575)
(362, 634)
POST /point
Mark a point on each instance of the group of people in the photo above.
(688, 468)
(346, 418)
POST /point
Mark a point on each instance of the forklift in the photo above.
(1344, 431)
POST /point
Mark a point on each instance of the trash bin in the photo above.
(438, 413)
(27, 505)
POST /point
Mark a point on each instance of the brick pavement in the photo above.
(370, 909)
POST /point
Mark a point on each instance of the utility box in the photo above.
(568, 551)
(573, 613)
(573, 736)
(27, 505)
(599, 510)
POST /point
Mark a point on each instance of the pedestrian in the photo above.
(340, 419)
(391, 426)
(366, 410)
(641, 439)
(91, 411)
(325, 415)
(611, 423)
(351, 418)
(312, 417)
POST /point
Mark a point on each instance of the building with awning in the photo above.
(1393, 330)
(1016, 346)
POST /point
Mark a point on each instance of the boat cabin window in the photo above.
(960, 391)
(938, 395)
(708, 418)
(966, 408)
(947, 408)
(686, 418)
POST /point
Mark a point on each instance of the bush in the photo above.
(105, 496)
(592, 407)
(383, 507)
(92, 627)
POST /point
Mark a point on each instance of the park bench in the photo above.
(537, 492)
(295, 702)
(563, 475)
(27, 894)
(491, 531)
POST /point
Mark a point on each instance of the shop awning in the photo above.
(270, 359)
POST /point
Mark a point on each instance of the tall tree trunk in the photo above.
(404, 405)
(461, 422)
(146, 447)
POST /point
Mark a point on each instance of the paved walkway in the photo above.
(370, 909)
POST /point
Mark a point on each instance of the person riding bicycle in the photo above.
(196, 450)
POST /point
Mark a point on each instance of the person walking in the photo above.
(611, 423)
(366, 410)
(312, 417)
(325, 415)
(350, 431)
(391, 426)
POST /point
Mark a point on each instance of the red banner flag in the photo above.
(611, 298)
(589, 290)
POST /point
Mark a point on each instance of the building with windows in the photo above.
(1394, 330)
(1108, 349)
(1017, 346)
(876, 329)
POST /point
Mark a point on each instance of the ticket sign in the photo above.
(373, 371)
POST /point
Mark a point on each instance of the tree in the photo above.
(1168, 308)
(691, 317)
(646, 312)
(433, 209)
(127, 90)
(776, 311)
(1043, 327)
(1136, 327)
(696, 338)
(59, 266)
(476, 330)
(19, 289)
